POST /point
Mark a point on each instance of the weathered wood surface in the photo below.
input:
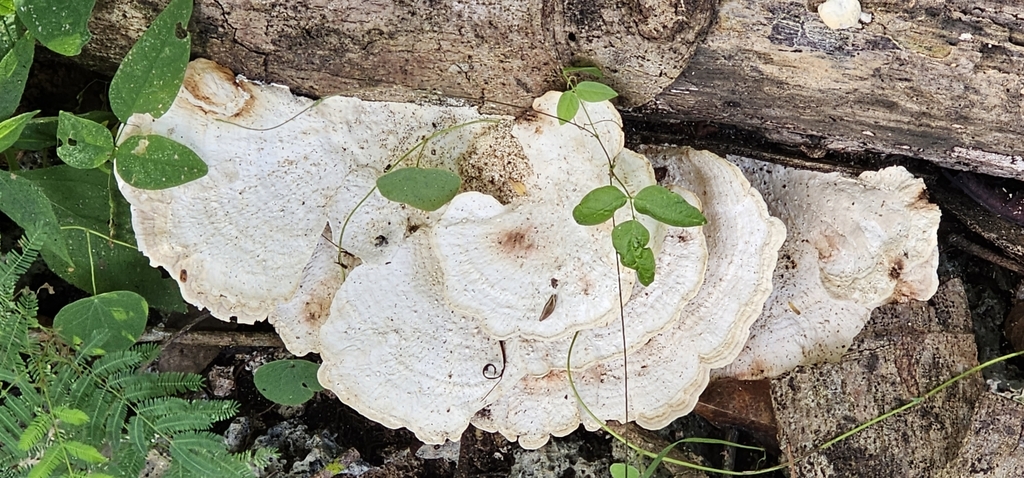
(993, 444)
(905, 350)
(934, 79)
(504, 50)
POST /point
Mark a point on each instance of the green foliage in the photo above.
(150, 75)
(630, 240)
(84, 220)
(6, 7)
(95, 222)
(60, 403)
(84, 144)
(667, 207)
(122, 314)
(60, 25)
(288, 382)
(622, 470)
(11, 128)
(14, 69)
(155, 162)
(26, 204)
(599, 205)
(422, 188)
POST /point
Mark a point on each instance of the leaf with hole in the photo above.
(288, 382)
(88, 200)
(593, 92)
(150, 74)
(41, 133)
(155, 162)
(84, 144)
(622, 470)
(568, 106)
(422, 188)
(121, 313)
(60, 25)
(13, 72)
(11, 128)
(590, 70)
(667, 207)
(599, 205)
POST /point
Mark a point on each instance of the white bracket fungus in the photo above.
(854, 244)
(432, 321)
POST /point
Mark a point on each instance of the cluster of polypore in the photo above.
(433, 321)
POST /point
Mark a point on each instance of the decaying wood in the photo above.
(219, 338)
(743, 404)
(1005, 234)
(993, 444)
(934, 79)
(506, 50)
(905, 350)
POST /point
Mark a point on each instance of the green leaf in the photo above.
(599, 205)
(13, 72)
(645, 266)
(26, 204)
(667, 207)
(568, 105)
(88, 200)
(11, 128)
(649, 472)
(590, 70)
(288, 382)
(150, 74)
(86, 453)
(156, 162)
(593, 92)
(6, 7)
(41, 133)
(71, 416)
(122, 313)
(622, 470)
(84, 144)
(60, 25)
(422, 188)
(630, 240)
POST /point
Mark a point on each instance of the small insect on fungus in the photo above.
(549, 307)
(794, 309)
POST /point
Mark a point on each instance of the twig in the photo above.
(973, 249)
(214, 338)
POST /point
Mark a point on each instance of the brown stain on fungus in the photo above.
(516, 242)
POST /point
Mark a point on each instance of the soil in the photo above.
(326, 432)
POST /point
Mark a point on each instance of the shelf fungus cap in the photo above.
(666, 374)
(397, 354)
(854, 244)
(238, 239)
(504, 263)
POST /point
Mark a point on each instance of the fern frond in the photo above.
(199, 415)
(35, 431)
(45, 467)
(260, 458)
(204, 454)
(71, 416)
(82, 451)
(150, 385)
(116, 362)
(16, 264)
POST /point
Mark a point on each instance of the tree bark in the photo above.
(939, 80)
(505, 50)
